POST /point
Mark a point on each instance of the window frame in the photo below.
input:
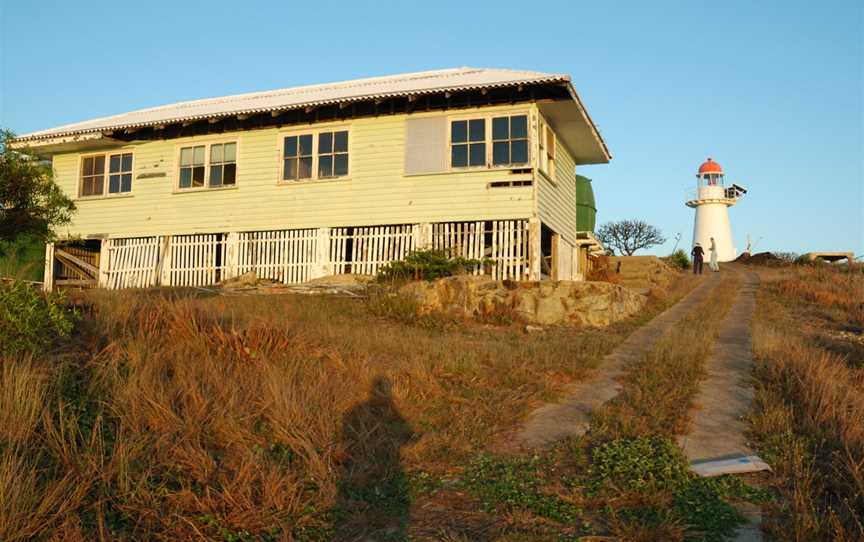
(546, 160)
(207, 144)
(510, 140)
(315, 133)
(487, 116)
(106, 174)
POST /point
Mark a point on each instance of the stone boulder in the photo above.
(577, 303)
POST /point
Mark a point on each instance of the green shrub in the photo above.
(29, 320)
(678, 259)
(516, 484)
(426, 265)
(23, 257)
(652, 465)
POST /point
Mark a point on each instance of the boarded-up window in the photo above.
(426, 145)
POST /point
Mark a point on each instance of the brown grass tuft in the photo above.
(177, 416)
(809, 408)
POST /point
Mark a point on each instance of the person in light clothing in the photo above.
(713, 250)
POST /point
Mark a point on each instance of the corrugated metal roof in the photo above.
(456, 79)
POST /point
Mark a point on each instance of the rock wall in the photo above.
(642, 272)
(545, 303)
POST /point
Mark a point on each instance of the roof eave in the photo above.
(589, 121)
(38, 138)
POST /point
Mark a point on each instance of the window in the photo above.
(223, 164)
(93, 174)
(300, 162)
(192, 167)
(468, 143)
(332, 154)
(203, 167)
(547, 150)
(510, 140)
(298, 158)
(120, 173)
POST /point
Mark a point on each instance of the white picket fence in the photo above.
(134, 262)
(370, 247)
(196, 260)
(296, 256)
(285, 255)
(504, 243)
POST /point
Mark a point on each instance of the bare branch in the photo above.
(627, 236)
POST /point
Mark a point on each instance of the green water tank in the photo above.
(586, 208)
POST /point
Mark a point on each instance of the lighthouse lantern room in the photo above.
(712, 202)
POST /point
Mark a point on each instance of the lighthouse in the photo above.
(713, 199)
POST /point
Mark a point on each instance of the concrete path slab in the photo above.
(724, 398)
(572, 417)
(718, 425)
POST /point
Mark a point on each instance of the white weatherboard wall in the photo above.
(295, 231)
(377, 191)
(556, 198)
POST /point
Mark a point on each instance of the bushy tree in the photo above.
(678, 259)
(30, 201)
(628, 236)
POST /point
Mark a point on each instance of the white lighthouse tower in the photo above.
(713, 199)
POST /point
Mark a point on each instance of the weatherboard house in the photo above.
(304, 182)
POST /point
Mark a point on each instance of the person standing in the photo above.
(698, 257)
(713, 250)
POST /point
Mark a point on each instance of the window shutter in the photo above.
(426, 146)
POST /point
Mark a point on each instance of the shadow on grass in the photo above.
(374, 497)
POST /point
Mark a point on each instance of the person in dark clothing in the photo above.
(698, 257)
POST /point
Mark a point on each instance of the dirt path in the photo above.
(556, 421)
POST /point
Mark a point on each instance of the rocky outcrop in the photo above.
(642, 273)
(546, 303)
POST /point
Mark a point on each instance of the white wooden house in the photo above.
(308, 181)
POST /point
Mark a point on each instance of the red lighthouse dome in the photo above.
(710, 166)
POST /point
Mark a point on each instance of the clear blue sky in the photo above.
(772, 89)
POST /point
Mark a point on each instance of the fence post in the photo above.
(48, 282)
(534, 249)
(574, 263)
(232, 244)
(104, 263)
(322, 267)
(165, 271)
(422, 234)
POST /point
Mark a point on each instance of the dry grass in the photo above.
(178, 417)
(841, 289)
(810, 403)
(658, 390)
